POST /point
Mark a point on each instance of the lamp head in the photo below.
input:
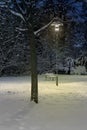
(56, 29)
(56, 26)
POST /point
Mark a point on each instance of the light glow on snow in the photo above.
(60, 108)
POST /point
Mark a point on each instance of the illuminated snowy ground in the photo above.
(60, 108)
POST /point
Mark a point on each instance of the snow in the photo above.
(60, 108)
(2, 4)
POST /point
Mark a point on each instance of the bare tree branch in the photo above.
(11, 39)
(23, 12)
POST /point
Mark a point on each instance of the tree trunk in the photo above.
(34, 75)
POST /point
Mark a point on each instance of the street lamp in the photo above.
(56, 26)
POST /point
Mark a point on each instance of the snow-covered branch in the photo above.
(21, 29)
(44, 27)
(39, 30)
(17, 14)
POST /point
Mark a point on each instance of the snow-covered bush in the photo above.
(79, 70)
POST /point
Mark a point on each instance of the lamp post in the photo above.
(56, 26)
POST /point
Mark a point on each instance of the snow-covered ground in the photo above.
(60, 108)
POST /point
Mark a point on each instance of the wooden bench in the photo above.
(50, 77)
